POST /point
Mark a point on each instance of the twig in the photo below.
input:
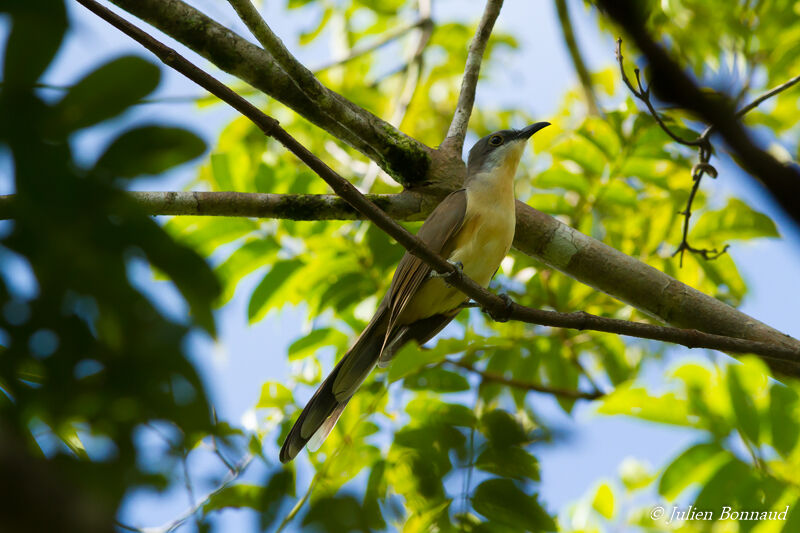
(704, 166)
(304, 79)
(577, 60)
(526, 385)
(403, 206)
(643, 94)
(386, 38)
(466, 98)
(497, 306)
(673, 84)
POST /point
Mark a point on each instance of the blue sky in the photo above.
(246, 355)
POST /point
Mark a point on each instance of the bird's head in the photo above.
(500, 151)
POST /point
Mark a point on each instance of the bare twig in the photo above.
(577, 60)
(643, 94)
(673, 84)
(498, 307)
(526, 385)
(704, 166)
(702, 142)
(466, 98)
(403, 206)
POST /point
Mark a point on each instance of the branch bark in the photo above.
(404, 206)
(672, 84)
(563, 250)
(405, 159)
(454, 142)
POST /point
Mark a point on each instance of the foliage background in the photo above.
(276, 274)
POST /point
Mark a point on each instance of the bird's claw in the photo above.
(506, 313)
(459, 269)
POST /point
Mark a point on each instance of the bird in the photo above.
(473, 229)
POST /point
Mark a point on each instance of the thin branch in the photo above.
(303, 78)
(698, 171)
(385, 38)
(577, 60)
(499, 308)
(466, 98)
(673, 84)
(643, 94)
(403, 206)
(525, 385)
(405, 159)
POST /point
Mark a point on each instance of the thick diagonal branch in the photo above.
(454, 141)
(496, 306)
(402, 157)
(672, 84)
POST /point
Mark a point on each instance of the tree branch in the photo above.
(495, 305)
(525, 385)
(405, 159)
(672, 84)
(580, 67)
(403, 206)
(454, 141)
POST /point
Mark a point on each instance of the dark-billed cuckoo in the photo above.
(472, 228)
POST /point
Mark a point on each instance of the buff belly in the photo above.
(480, 245)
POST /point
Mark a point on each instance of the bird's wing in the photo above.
(437, 232)
(323, 410)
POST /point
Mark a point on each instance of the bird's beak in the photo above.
(525, 133)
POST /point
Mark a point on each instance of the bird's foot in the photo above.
(459, 269)
(503, 315)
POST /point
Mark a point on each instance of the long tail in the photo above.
(326, 406)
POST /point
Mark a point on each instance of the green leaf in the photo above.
(221, 172)
(743, 406)
(557, 177)
(695, 465)
(436, 379)
(502, 429)
(274, 394)
(636, 401)
(263, 297)
(603, 501)
(249, 257)
(783, 413)
(307, 37)
(730, 480)
(308, 345)
(433, 411)
(509, 461)
(735, 221)
(149, 150)
(501, 501)
(411, 358)
(236, 497)
(106, 92)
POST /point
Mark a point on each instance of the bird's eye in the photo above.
(496, 140)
